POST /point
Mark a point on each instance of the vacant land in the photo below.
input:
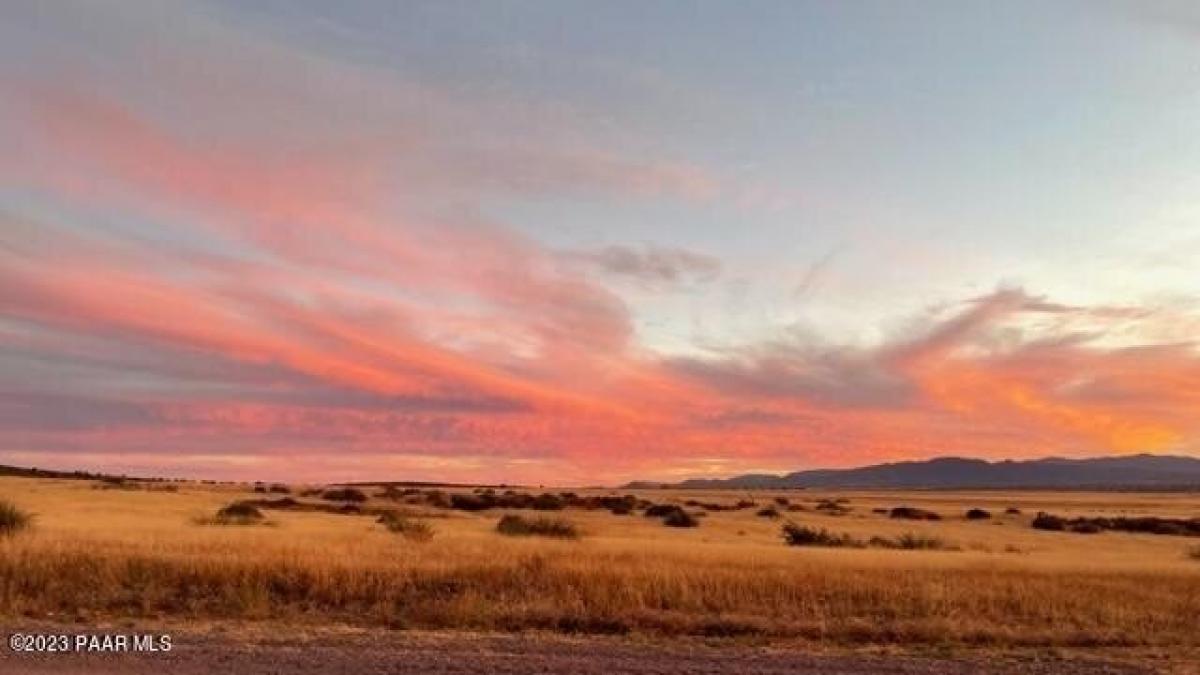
(94, 555)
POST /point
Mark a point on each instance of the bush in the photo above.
(518, 526)
(1194, 553)
(913, 513)
(833, 507)
(680, 518)
(912, 541)
(800, 535)
(409, 528)
(437, 499)
(548, 502)
(13, 519)
(1013, 511)
(239, 513)
(344, 495)
(1045, 521)
(978, 514)
(768, 512)
(472, 502)
(661, 510)
(1181, 527)
(280, 489)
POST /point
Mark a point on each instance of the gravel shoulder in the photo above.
(391, 652)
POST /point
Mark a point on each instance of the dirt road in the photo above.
(445, 654)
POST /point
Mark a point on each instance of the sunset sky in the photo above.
(585, 242)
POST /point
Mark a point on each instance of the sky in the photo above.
(586, 242)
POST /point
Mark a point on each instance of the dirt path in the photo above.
(441, 654)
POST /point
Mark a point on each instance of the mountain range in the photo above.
(1130, 471)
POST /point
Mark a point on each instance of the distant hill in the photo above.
(24, 472)
(1132, 471)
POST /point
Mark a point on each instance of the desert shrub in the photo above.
(781, 501)
(913, 541)
(519, 526)
(238, 513)
(1183, 527)
(260, 489)
(744, 504)
(549, 502)
(438, 499)
(344, 495)
(833, 507)
(1046, 521)
(913, 513)
(1013, 511)
(619, 506)
(800, 535)
(673, 515)
(472, 502)
(879, 510)
(611, 502)
(13, 519)
(768, 512)
(978, 514)
(409, 528)
(1194, 553)
(280, 489)
(661, 510)
(680, 518)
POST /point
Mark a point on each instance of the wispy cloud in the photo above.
(244, 269)
(652, 266)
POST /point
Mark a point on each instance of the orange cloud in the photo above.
(280, 305)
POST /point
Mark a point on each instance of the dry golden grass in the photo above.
(117, 553)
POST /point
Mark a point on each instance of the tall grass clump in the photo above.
(518, 526)
(409, 528)
(13, 519)
(800, 535)
(237, 513)
(912, 541)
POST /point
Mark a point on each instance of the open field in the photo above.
(101, 555)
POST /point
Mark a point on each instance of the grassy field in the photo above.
(99, 554)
